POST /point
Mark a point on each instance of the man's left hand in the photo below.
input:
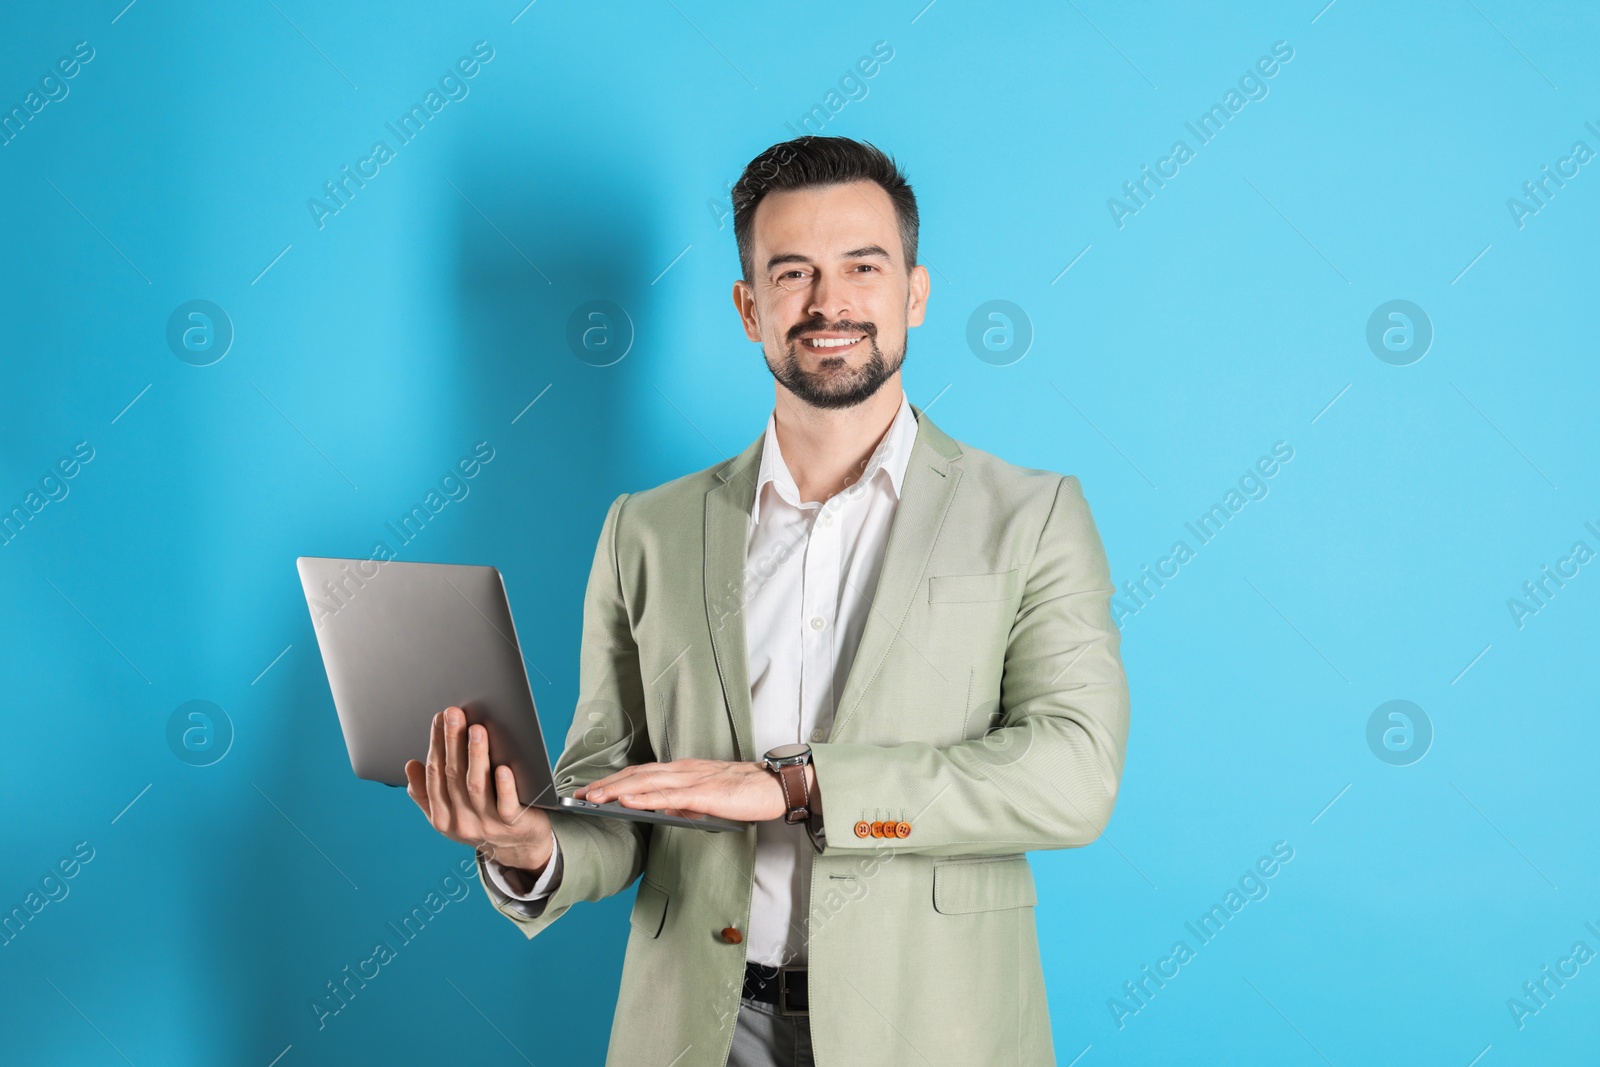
(742, 791)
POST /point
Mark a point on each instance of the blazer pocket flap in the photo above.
(649, 909)
(971, 588)
(989, 884)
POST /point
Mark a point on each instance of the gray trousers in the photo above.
(764, 1038)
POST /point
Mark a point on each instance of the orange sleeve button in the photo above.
(731, 935)
(877, 829)
(902, 829)
(863, 829)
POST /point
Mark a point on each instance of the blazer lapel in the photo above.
(925, 496)
(727, 530)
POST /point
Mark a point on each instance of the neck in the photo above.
(826, 449)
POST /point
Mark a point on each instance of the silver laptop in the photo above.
(403, 641)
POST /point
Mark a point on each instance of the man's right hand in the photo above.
(453, 791)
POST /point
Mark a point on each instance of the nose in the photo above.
(830, 299)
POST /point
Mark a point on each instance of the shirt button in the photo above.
(819, 734)
(817, 623)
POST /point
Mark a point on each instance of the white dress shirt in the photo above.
(811, 570)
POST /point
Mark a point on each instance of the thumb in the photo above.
(507, 806)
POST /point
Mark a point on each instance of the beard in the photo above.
(835, 384)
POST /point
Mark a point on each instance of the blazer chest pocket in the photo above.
(989, 883)
(649, 909)
(974, 588)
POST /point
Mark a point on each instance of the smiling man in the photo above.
(890, 653)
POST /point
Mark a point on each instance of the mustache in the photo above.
(843, 326)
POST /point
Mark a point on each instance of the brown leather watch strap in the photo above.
(796, 796)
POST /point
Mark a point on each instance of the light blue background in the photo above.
(590, 161)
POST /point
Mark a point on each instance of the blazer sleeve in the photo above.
(600, 856)
(1046, 776)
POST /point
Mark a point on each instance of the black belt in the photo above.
(783, 986)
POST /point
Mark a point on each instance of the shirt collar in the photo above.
(891, 458)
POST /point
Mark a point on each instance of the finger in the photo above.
(645, 802)
(671, 801)
(455, 759)
(677, 771)
(438, 799)
(642, 781)
(639, 800)
(417, 783)
(477, 779)
(618, 779)
(507, 805)
(607, 781)
(654, 792)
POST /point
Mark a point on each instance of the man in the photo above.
(915, 633)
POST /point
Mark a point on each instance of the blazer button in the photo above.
(877, 829)
(731, 935)
(863, 829)
(902, 829)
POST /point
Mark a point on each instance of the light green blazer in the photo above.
(987, 706)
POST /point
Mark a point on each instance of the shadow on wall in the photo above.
(539, 240)
(554, 290)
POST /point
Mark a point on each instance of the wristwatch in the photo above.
(789, 762)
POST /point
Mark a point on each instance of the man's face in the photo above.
(830, 297)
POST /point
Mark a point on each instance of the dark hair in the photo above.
(810, 161)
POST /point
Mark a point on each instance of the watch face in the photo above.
(784, 752)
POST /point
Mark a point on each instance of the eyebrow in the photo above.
(855, 253)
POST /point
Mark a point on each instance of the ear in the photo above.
(744, 300)
(917, 299)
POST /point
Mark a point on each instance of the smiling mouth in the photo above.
(834, 345)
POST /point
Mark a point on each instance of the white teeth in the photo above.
(831, 342)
